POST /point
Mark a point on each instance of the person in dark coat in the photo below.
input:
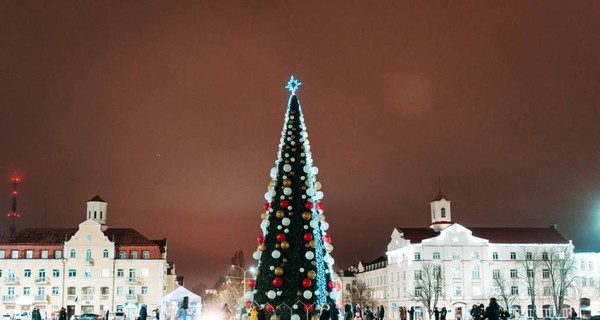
(348, 313)
(62, 314)
(411, 313)
(324, 313)
(382, 312)
(492, 312)
(436, 313)
(443, 313)
(334, 313)
(573, 313)
(368, 314)
(143, 312)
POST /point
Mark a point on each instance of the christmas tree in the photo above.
(294, 277)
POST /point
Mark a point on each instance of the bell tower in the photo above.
(96, 210)
(441, 215)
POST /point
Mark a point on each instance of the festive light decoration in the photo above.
(293, 85)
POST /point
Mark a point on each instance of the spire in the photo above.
(441, 216)
(13, 213)
(294, 262)
(440, 196)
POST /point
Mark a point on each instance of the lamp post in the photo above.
(244, 271)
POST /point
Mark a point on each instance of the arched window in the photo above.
(105, 253)
(88, 254)
(72, 254)
(443, 212)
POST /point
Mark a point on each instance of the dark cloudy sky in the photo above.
(172, 112)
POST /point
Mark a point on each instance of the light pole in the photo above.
(244, 271)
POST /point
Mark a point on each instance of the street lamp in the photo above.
(244, 271)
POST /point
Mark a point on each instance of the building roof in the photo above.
(49, 236)
(439, 197)
(496, 234)
(96, 198)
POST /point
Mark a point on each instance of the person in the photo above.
(143, 312)
(357, 316)
(504, 315)
(368, 314)
(106, 314)
(436, 313)
(35, 314)
(376, 313)
(324, 313)
(443, 313)
(253, 313)
(411, 313)
(382, 312)
(481, 311)
(62, 314)
(348, 312)
(225, 312)
(492, 312)
(573, 313)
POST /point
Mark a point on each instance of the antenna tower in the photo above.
(13, 213)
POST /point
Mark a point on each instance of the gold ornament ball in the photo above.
(306, 215)
(277, 245)
(284, 260)
(322, 217)
(256, 272)
(314, 263)
(279, 214)
(312, 243)
(278, 271)
(298, 293)
(287, 182)
(329, 247)
(314, 317)
(285, 245)
(262, 247)
(311, 274)
(274, 317)
(318, 185)
(263, 215)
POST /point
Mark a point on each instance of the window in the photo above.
(146, 272)
(105, 253)
(119, 291)
(528, 256)
(133, 254)
(547, 291)
(11, 291)
(54, 291)
(514, 290)
(494, 255)
(582, 265)
(544, 256)
(496, 274)
(546, 273)
(55, 273)
(436, 256)
(72, 254)
(29, 254)
(44, 254)
(41, 291)
(529, 291)
(42, 274)
(443, 212)
(476, 272)
(456, 272)
(88, 254)
(146, 254)
(591, 282)
(27, 273)
(457, 291)
(57, 254)
(417, 274)
(418, 291)
(513, 256)
(455, 255)
(131, 290)
(583, 281)
(15, 254)
(514, 274)
(417, 256)
(87, 273)
(530, 273)
(12, 274)
(122, 254)
(26, 291)
(144, 290)
(120, 273)
(72, 273)
(105, 273)
(132, 275)
(89, 237)
(1, 254)
(475, 255)
(590, 266)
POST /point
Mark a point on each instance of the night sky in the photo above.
(172, 112)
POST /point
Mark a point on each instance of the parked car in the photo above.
(119, 316)
(597, 317)
(6, 317)
(25, 315)
(90, 316)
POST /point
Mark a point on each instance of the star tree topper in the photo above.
(293, 85)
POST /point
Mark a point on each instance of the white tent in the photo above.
(171, 305)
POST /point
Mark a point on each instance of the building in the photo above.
(89, 269)
(468, 265)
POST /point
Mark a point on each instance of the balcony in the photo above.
(104, 297)
(87, 297)
(11, 280)
(9, 299)
(41, 298)
(41, 280)
(131, 297)
(132, 280)
(71, 297)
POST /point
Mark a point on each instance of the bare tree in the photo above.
(428, 286)
(504, 290)
(529, 266)
(360, 293)
(560, 266)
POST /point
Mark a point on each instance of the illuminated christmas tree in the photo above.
(294, 277)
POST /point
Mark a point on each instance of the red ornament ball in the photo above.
(267, 206)
(326, 238)
(260, 239)
(277, 282)
(308, 308)
(331, 284)
(280, 237)
(284, 204)
(248, 304)
(308, 205)
(251, 283)
(307, 236)
(320, 206)
(269, 308)
(306, 283)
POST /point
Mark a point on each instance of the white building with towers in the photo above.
(88, 269)
(477, 263)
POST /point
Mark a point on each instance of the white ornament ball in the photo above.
(264, 224)
(309, 255)
(306, 169)
(272, 268)
(307, 294)
(275, 254)
(310, 192)
(268, 196)
(314, 170)
(271, 294)
(319, 195)
(305, 227)
(287, 191)
(314, 223)
(301, 269)
(295, 316)
(295, 306)
(333, 294)
(324, 225)
(279, 227)
(287, 168)
(285, 221)
(274, 172)
(256, 255)
(279, 293)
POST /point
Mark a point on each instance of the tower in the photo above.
(96, 210)
(13, 213)
(441, 216)
(294, 274)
